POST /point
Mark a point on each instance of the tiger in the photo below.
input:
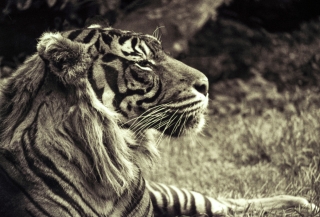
(78, 126)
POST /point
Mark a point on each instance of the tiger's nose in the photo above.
(201, 85)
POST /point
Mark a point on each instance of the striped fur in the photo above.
(76, 124)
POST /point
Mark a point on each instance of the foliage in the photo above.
(255, 69)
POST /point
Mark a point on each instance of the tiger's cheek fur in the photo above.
(139, 82)
(141, 89)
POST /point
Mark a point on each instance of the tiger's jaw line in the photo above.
(187, 121)
(188, 124)
(175, 119)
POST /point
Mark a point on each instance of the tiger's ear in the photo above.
(66, 59)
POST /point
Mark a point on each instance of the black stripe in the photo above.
(62, 206)
(155, 204)
(129, 53)
(30, 213)
(74, 34)
(176, 201)
(123, 39)
(152, 99)
(143, 50)
(148, 209)
(138, 78)
(134, 42)
(107, 39)
(125, 53)
(208, 206)
(193, 207)
(186, 199)
(88, 37)
(109, 57)
(98, 91)
(97, 44)
(111, 75)
(134, 53)
(136, 202)
(149, 88)
(121, 112)
(164, 199)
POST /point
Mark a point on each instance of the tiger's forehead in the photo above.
(131, 33)
(132, 45)
(127, 44)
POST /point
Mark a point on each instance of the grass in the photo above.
(247, 156)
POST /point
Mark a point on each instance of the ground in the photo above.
(247, 157)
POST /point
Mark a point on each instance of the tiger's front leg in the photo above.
(171, 201)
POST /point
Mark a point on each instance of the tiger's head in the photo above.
(134, 76)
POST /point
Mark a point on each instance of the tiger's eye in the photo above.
(144, 63)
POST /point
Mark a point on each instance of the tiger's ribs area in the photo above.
(262, 58)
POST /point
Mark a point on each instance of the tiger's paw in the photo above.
(67, 59)
(314, 209)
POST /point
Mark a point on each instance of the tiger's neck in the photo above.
(71, 131)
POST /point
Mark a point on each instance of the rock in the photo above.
(178, 21)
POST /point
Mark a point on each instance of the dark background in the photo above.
(261, 53)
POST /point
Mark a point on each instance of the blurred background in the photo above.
(256, 53)
(262, 58)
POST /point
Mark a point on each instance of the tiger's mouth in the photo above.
(182, 124)
(172, 120)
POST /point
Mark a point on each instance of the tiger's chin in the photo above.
(187, 126)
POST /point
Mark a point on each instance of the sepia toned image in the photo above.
(165, 108)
